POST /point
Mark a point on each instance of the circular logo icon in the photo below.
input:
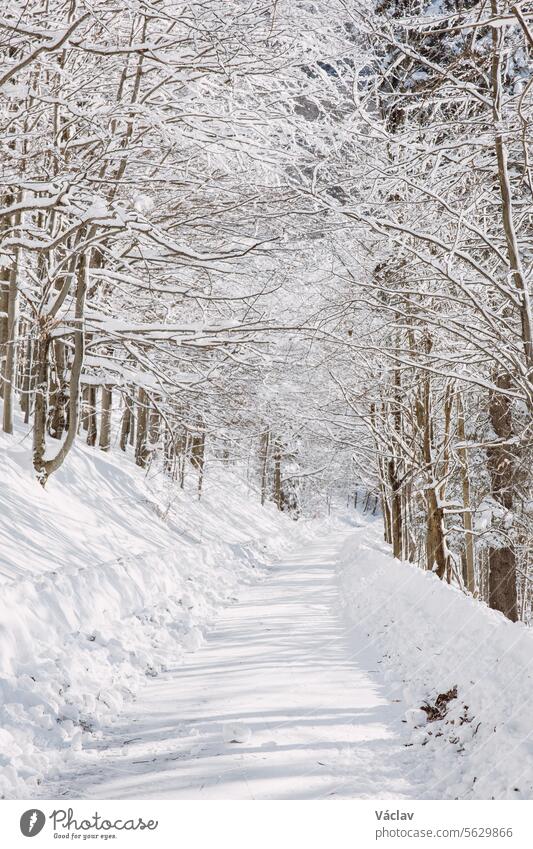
(32, 822)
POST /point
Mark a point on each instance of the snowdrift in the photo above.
(433, 639)
(108, 576)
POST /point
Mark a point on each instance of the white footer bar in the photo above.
(266, 825)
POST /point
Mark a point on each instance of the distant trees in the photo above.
(442, 187)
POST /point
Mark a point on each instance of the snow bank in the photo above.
(433, 638)
(108, 577)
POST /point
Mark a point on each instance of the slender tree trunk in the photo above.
(469, 554)
(278, 492)
(92, 426)
(6, 275)
(395, 509)
(125, 427)
(154, 428)
(28, 381)
(502, 464)
(387, 521)
(133, 423)
(169, 451)
(435, 537)
(58, 423)
(198, 453)
(385, 503)
(200, 463)
(502, 461)
(4, 303)
(141, 451)
(264, 451)
(84, 418)
(10, 368)
(105, 420)
(40, 407)
(502, 156)
(183, 459)
(395, 468)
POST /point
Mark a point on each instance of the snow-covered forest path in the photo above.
(283, 663)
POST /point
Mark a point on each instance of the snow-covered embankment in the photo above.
(79, 630)
(478, 744)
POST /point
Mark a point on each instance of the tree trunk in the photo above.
(4, 303)
(436, 558)
(264, 450)
(169, 451)
(40, 407)
(183, 459)
(141, 451)
(10, 367)
(198, 453)
(154, 429)
(502, 465)
(385, 505)
(28, 381)
(278, 493)
(58, 423)
(435, 540)
(498, 70)
(126, 424)
(92, 427)
(469, 554)
(6, 279)
(84, 418)
(44, 468)
(200, 461)
(395, 509)
(133, 423)
(105, 420)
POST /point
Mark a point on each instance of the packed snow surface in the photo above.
(279, 703)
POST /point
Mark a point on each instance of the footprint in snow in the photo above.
(236, 732)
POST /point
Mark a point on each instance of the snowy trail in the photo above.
(283, 662)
